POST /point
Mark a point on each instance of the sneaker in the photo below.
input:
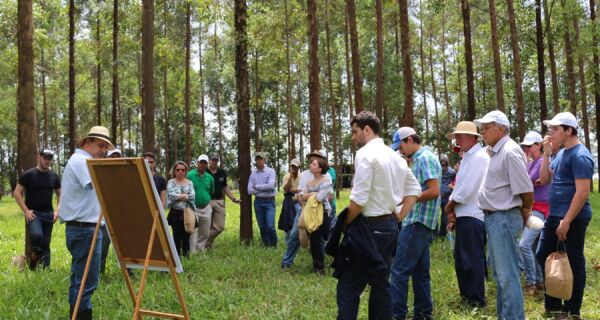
(561, 316)
(530, 289)
(285, 266)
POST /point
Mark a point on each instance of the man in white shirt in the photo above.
(382, 180)
(466, 218)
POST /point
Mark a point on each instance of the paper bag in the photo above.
(559, 276)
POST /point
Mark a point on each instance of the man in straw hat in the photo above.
(79, 209)
(506, 198)
(570, 174)
(466, 218)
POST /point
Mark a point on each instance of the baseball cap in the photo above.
(496, 116)
(113, 151)
(531, 137)
(565, 118)
(47, 152)
(295, 162)
(202, 157)
(261, 155)
(400, 135)
(215, 156)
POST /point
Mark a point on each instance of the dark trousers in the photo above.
(443, 219)
(181, 238)
(353, 281)
(40, 233)
(317, 240)
(469, 259)
(574, 247)
(105, 246)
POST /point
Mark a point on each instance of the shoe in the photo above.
(320, 272)
(561, 316)
(285, 267)
(530, 289)
(540, 286)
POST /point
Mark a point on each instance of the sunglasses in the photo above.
(180, 170)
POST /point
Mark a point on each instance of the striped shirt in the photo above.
(426, 166)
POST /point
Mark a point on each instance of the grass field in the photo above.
(235, 281)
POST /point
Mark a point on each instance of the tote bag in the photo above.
(189, 220)
(559, 276)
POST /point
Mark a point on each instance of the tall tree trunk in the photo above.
(257, 107)
(496, 54)
(115, 72)
(242, 101)
(44, 100)
(596, 45)
(314, 89)
(518, 74)
(551, 57)
(582, 85)
(466, 15)
(332, 100)
(201, 75)
(357, 79)
(166, 128)
(379, 82)
(422, 63)
(218, 98)
(186, 95)
(569, 61)
(98, 70)
(72, 133)
(461, 104)
(148, 75)
(539, 43)
(348, 75)
(445, 72)
(408, 115)
(27, 127)
(438, 134)
(288, 89)
(299, 91)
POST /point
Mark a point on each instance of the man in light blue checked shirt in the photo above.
(262, 185)
(418, 227)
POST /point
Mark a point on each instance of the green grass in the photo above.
(235, 281)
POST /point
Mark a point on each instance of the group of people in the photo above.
(398, 194)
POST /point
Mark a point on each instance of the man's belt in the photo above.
(384, 217)
(488, 212)
(78, 224)
(265, 198)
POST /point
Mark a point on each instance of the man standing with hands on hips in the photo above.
(506, 198)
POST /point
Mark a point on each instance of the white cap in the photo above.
(565, 118)
(113, 151)
(532, 137)
(496, 116)
(202, 158)
(400, 135)
(295, 162)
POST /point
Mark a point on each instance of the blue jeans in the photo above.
(527, 246)
(469, 259)
(40, 233)
(503, 229)
(293, 242)
(79, 241)
(412, 260)
(265, 217)
(574, 247)
(352, 281)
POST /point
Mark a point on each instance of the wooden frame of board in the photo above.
(137, 226)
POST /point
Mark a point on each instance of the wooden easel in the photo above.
(166, 259)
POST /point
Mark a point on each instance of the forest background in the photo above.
(232, 77)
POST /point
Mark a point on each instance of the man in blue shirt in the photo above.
(262, 185)
(80, 209)
(570, 174)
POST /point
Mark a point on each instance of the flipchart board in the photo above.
(130, 203)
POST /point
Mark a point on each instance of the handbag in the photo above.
(189, 220)
(302, 232)
(559, 276)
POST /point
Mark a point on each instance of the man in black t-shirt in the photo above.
(217, 201)
(33, 194)
(159, 181)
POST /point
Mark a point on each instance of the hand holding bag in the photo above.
(559, 276)
(189, 220)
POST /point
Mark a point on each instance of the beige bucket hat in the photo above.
(464, 127)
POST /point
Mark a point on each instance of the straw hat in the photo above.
(99, 132)
(464, 127)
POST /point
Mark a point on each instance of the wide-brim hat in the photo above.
(318, 153)
(99, 132)
(464, 127)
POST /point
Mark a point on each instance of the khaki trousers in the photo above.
(217, 224)
(200, 236)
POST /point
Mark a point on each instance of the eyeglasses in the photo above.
(180, 170)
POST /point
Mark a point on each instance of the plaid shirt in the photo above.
(426, 166)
